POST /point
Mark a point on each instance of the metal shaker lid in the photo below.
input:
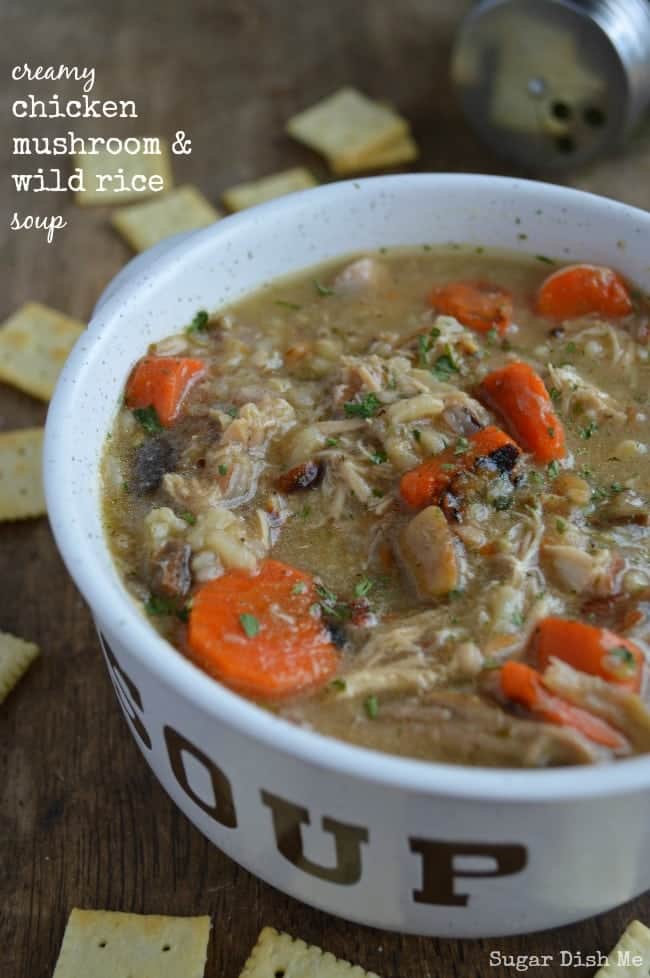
(553, 83)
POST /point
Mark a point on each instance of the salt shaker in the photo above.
(554, 83)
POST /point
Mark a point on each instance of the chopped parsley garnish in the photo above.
(378, 493)
(434, 332)
(445, 366)
(331, 605)
(492, 336)
(188, 517)
(545, 259)
(417, 434)
(371, 706)
(517, 619)
(222, 469)
(156, 606)
(125, 486)
(455, 593)
(379, 457)
(200, 322)
(588, 431)
(363, 587)
(490, 663)
(304, 512)
(299, 588)
(367, 407)
(624, 660)
(616, 487)
(449, 466)
(560, 525)
(555, 394)
(571, 347)
(502, 503)
(423, 349)
(461, 445)
(148, 418)
(232, 411)
(250, 624)
(323, 289)
(331, 442)
(535, 477)
(287, 305)
(339, 684)
(553, 469)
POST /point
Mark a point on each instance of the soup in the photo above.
(402, 500)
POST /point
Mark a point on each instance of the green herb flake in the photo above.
(156, 606)
(222, 469)
(323, 290)
(148, 418)
(200, 322)
(623, 660)
(492, 336)
(371, 706)
(232, 411)
(435, 333)
(125, 486)
(449, 466)
(363, 587)
(502, 503)
(445, 365)
(287, 305)
(517, 619)
(417, 434)
(367, 407)
(553, 469)
(555, 394)
(456, 593)
(588, 431)
(379, 457)
(616, 487)
(560, 525)
(249, 624)
(461, 446)
(571, 347)
(332, 442)
(188, 517)
(304, 512)
(339, 684)
(535, 477)
(378, 493)
(299, 588)
(545, 259)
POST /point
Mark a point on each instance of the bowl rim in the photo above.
(112, 602)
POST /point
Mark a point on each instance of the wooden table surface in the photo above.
(82, 821)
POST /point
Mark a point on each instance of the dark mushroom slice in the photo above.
(307, 475)
(170, 572)
(151, 460)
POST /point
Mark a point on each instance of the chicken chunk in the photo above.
(427, 550)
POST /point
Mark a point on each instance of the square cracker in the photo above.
(402, 150)
(34, 345)
(102, 944)
(634, 942)
(16, 656)
(245, 195)
(347, 126)
(183, 209)
(21, 476)
(277, 953)
(109, 163)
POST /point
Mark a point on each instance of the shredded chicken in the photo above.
(579, 397)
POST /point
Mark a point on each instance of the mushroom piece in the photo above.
(426, 546)
(151, 461)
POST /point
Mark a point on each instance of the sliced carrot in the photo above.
(525, 686)
(490, 446)
(596, 651)
(518, 394)
(579, 290)
(257, 632)
(480, 306)
(162, 383)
